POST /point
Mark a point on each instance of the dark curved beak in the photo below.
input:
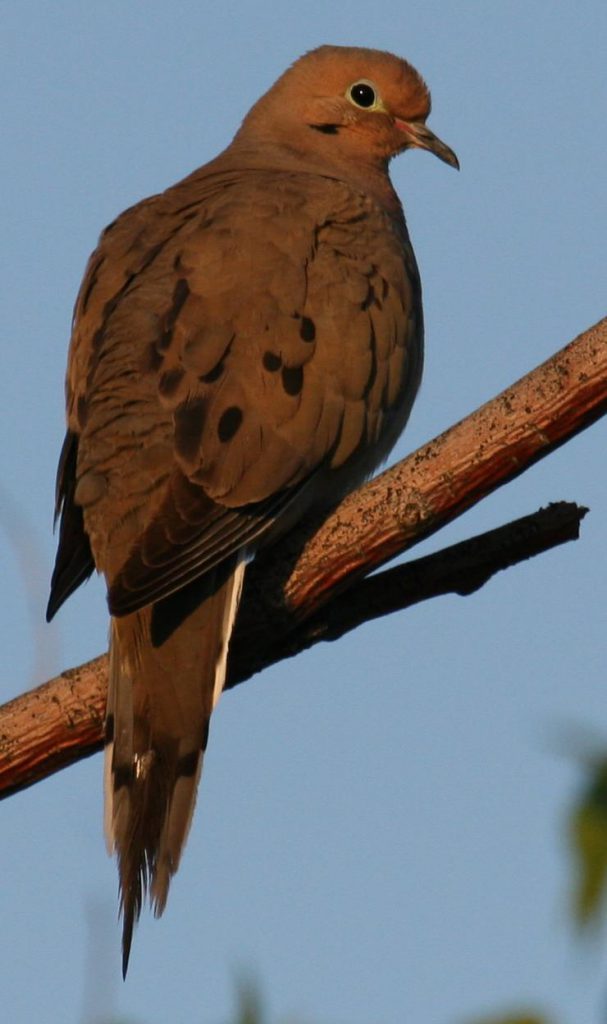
(419, 135)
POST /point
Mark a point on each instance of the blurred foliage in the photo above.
(249, 1009)
(525, 1018)
(588, 832)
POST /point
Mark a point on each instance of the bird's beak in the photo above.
(418, 134)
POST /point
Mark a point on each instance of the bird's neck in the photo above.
(369, 177)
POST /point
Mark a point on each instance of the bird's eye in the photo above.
(363, 95)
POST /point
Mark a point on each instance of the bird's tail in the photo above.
(164, 683)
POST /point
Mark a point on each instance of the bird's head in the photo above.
(348, 102)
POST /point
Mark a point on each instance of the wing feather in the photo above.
(229, 356)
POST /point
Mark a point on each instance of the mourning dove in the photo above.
(246, 346)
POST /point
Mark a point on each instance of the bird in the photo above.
(246, 348)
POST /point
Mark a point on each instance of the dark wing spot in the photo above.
(369, 298)
(214, 374)
(170, 381)
(307, 330)
(292, 379)
(271, 362)
(373, 372)
(229, 423)
(188, 764)
(82, 411)
(152, 359)
(189, 425)
(164, 341)
(180, 294)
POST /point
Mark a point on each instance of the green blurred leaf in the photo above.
(525, 1018)
(588, 831)
(250, 1009)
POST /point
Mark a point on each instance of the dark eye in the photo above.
(362, 94)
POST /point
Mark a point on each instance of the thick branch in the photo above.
(459, 569)
(62, 721)
(52, 726)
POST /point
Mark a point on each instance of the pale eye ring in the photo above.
(363, 94)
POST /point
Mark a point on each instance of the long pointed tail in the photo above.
(161, 695)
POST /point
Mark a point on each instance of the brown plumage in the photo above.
(245, 345)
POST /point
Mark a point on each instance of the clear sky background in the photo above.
(380, 834)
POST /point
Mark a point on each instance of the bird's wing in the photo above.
(235, 340)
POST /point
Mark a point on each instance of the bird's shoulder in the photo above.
(225, 238)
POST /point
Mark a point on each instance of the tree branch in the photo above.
(459, 569)
(292, 591)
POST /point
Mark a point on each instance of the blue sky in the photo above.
(381, 830)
